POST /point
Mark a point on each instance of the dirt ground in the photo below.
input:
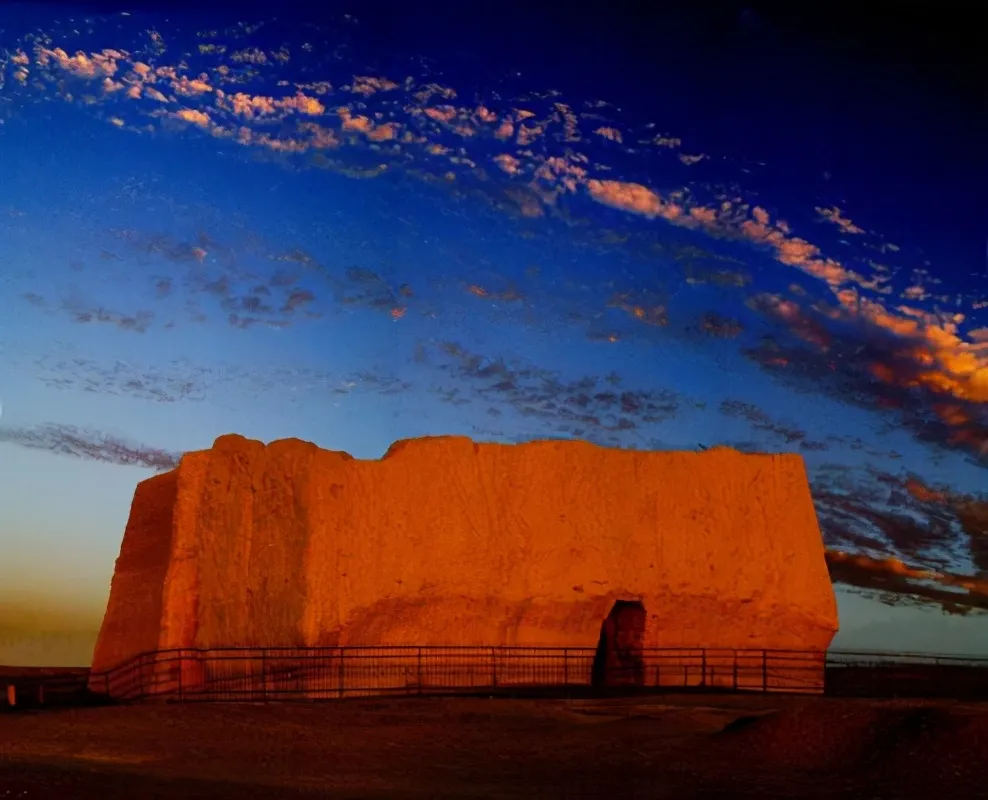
(661, 747)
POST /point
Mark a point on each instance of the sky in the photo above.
(741, 230)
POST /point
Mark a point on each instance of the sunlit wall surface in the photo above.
(274, 229)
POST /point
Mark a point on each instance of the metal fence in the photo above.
(872, 674)
(313, 673)
(336, 672)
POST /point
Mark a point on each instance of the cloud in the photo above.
(414, 125)
(892, 520)
(835, 216)
(201, 279)
(184, 381)
(972, 513)
(89, 314)
(901, 584)
(717, 325)
(364, 288)
(91, 445)
(932, 353)
(596, 408)
(760, 421)
(915, 370)
(898, 515)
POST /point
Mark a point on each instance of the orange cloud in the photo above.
(319, 137)
(893, 567)
(505, 130)
(728, 220)
(649, 313)
(154, 94)
(384, 133)
(190, 87)
(633, 197)
(793, 251)
(610, 133)
(303, 104)
(924, 493)
(508, 163)
(943, 362)
(194, 117)
(834, 215)
(367, 86)
(793, 316)
(248, 106)
(562, 171)
(358, 124)
(528, 134)
(80, 64)
(444, 114)
(485, 115)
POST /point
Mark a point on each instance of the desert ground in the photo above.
(669, 746)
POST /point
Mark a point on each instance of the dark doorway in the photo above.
(619, 662)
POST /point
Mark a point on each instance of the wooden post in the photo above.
(493, 666)
(11, 695)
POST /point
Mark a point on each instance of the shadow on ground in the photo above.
(670, 747)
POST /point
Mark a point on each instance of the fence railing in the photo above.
(873, 674)
(336, 672)
(287, 673)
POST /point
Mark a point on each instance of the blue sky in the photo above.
(208, 227)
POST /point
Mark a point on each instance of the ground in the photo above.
(675, 746)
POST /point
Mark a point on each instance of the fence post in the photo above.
(764, 670)
(494, 666)
(735, 670)
(418, 660)
(340, 675)
(181, 670)
(264, 674)
(703, 667)
(566, 666)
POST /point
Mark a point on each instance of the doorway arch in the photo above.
(619, 659)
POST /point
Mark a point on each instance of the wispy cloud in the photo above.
(835, 216)
(595, 407)
(89, 444)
